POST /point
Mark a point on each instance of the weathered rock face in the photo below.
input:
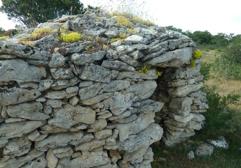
(186, 103)
(93, 103)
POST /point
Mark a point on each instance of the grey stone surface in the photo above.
(116, 85)
(31, 111)
(57, 60)
(17, 147)
(20, 71)
(92, 159)
(19, 162)
(39, 162)
(96, 73)
(143, 90)
(117, 65)
(90, 91)
(142, 122)
(94, 103)
(134, 39)
(59, 140)
(18, 95)
(174, 58)
(118, 103)
(18, 129)
(221, 142)
(145, 138)
(204, 150)
(70, 115)
(83, 59)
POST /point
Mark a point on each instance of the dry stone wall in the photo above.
(94, 102)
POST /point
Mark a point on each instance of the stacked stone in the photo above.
(88, 103)
(186, 104)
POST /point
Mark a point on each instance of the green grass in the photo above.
(227, 68)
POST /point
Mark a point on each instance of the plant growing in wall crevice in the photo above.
(197, 54)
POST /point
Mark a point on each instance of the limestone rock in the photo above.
(17, 163)
(103, 134)
(20, 71)
(145, 138)
(118, 103)
(56, 95)
(191, 155)
(62, 73)
(83, 59)
(174, 58)
(92, 159)
(141, 123)
(51, 159)
(185, 90)
(23, 52)
(151, 74)
(17, 95)
(31, 111)
(59, 140)
(90, 146)
(63, 152)
(40, 162)
(143, 90)
(57, 60)
(19, 129)
(98, 125)
(220, 143)
(71, 115)
(204, 150)
(134, 39)
(117, 65)
(90, 92)
(116, 85)
(96, 73)
(17, 147)
(96, 99)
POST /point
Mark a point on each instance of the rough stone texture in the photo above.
(93, 103)
(186, 103)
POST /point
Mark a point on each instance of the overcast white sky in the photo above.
(212, 15)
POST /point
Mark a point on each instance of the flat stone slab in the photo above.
(20, 71)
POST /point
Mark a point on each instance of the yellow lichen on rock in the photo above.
(123, 21)
(140, 20)
(40, 33)
(124, 17)
(70, 37)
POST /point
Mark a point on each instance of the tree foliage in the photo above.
(202, 37)
(233, 51)
(1, 30)
(32, 12)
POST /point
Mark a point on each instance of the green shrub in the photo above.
(233, 52)
(219, 116)
(197, 54)
(205, 70)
